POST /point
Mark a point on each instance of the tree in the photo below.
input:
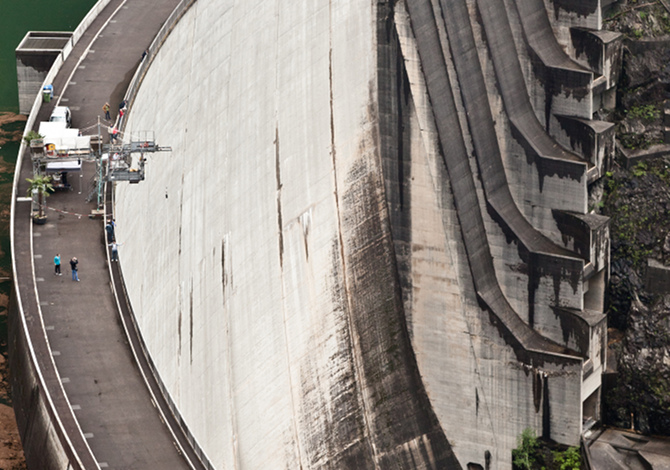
(525, 454)
(42, 186)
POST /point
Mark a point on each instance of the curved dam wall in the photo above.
(258, 254)
(301, 265)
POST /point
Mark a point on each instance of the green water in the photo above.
(17, 17)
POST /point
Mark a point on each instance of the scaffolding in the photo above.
(115, 162)
(125, 161)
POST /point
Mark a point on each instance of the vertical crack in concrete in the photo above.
(305, 219)
(280, 230)
(224, 277)
(179, 332)
(227, 285)
(181, 211)
(280, 236)
(355, 347)
(190, 326)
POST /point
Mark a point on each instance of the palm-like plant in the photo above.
(42, 186)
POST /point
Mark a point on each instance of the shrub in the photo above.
(31, 135)
(525, 455)
(569, 459)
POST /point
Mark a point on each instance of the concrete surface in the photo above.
(292, 208)
(364, 250)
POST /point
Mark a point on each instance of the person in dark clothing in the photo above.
(110, 231)
(73, 265)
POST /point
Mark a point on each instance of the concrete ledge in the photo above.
(630, 158)
(593, 140)
(579, 326)
(657, 277)
(622, 449)
(540, 148)
(568, 83)
(587, 234)
(600, 50)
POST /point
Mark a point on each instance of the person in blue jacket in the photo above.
(57, 265)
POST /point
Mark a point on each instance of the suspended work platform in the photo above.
(125, 161)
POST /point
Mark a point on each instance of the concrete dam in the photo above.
(374, 243)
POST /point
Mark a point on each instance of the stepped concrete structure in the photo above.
(374, 243)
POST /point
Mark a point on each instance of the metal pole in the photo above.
(98, 160)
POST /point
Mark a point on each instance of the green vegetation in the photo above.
(525, 455)
(535, 454)
(640, 169)
(32, 135)
(634, 141)
(568, 460)
(648, 112)
(42, 186)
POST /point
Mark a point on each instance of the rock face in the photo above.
(371, 246)
(640, 398)
(637, 199)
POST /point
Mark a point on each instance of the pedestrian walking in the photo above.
(105, 108)
(57, 265)
(114, 135)
(115, 250)
(110, 231)
(73, 265)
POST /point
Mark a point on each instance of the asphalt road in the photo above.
(102, 382)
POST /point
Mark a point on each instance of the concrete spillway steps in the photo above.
(462, 180)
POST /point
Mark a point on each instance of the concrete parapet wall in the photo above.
(43, 446)
(657, 277)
